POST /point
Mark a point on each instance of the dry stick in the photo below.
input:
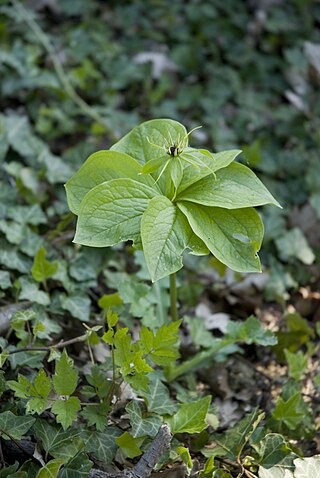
(58, 345)
(145, 465)
(62, 76)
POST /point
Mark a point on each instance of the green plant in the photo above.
(166, 197)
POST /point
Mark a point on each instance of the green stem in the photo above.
(173, 297)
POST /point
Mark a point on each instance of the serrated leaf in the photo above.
(190, 417)
(233, 236)
(129, 445)
(43, 269)
(297, 362)
(142, 426)
(234, 187)
(111, 212)
(251, 331)
(51, 469)
(289, 412)
(96, 415)
(66, 411)
(100, 167)
(13, 426)
(66, 376)
(103, 445)
(165, 234)
(149, 139)
(165, 344)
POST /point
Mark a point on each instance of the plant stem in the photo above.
(173, 297)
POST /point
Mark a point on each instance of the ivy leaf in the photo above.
(165, 234)
(290, 411)
(14, 426)
(297, 362)
(190, 417)
(149, 139)
(148, 426)
(233, 236)
(158, 399)
(51, 469)
(43, 269)
(111, 212)
(232, 442)
(66, 411)
(129, 445)
(78, 467)
(103, 445)
(100, 167)
(78, 304)
(273, 450)
(57, 442)
(307, 467)
(66, 376)
(234, 187)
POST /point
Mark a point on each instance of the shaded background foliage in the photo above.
(248, 72)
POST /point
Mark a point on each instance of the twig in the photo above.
(62, 76)
(145, 465)
(58, 345)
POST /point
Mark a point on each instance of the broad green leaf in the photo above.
(190, 417)
(57, 442)
(129, 445)
(234, 187)
(77, 467)
(153, 165)
(100, 167)
(43, 269)
(9, 470)
(233, 236)
(103, 445)
(290, 411)
(66, 411)
(13, 426)
(191, 174)
(273, 450)
(232, 442)
(30, 291)
(111, 212)
(151, 139)
(66, 375)
(158, 399)
(142, 426)
(165, 234)
(51, 469)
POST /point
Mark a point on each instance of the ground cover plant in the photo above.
(236, 378)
